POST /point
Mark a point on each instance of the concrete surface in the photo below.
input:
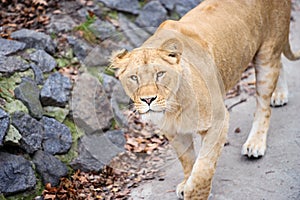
(276, 176)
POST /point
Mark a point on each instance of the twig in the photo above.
(237, 103)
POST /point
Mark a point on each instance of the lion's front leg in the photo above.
(184, 147)
(198, 185)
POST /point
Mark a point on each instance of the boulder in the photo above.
(12, 64)
(100, 55)
(117, 96)
(98, 150)
(4, 124)
(61, 23)
(46, 62)
(146, 17)
(28, 92)
(8, 47)
(50, 168)
(80, 47)
(38, 74)
(16, 174)
(57, 136)
(136, 35)
(181, 7)
(97, 57)
(102, 29)
(31, 130)
(56, 90)
(130, 6)
(34, 39)
(90, 106)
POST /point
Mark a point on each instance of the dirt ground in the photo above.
(276, 176)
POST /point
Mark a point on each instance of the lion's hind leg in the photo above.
(267, 68)
(281, 92)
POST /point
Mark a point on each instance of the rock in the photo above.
(102, 29)
(99, 56)
(136, 35)
(13, 64)
(58, 113)
(13, 136)
(57, 137)
(46, 62)
(28, 92)
(38, 74)
(61, 23)
(117, 95)
(50, 168)
(4, 124)
(117, 138)
(130, 6)
(118, 114)
(80, 47)
(16, 174)
(170, 5)
(31, 131)
(181, 7)
(96, 150)
(8, 47)
(56, 90)
(146, 17)
(109, 83)
(90, 107)
(34, 39)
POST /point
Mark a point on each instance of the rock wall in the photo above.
(58, 104)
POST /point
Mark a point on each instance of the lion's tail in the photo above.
(287, 52)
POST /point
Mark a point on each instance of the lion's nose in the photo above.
(148, 100)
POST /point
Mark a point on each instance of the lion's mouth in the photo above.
(150, 109)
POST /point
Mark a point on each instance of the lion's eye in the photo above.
(160, 74)
(134, 77)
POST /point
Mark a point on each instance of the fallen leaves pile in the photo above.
(145, 155)
(31, 14)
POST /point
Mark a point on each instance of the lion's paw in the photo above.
(254, 147)
(180, 189)
(279, 98)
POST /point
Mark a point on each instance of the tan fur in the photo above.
(178, 78)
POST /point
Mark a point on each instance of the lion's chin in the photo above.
(153, 117)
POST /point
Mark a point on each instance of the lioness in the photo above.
(178, 78)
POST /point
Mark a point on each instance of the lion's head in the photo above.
(151, 76)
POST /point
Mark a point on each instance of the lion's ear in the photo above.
(173, 48)
(119, 61)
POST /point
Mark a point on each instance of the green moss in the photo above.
(94, 71)
(56, 112)
(2, 197)
(113, 14)
(76, 134)
(174, 15)
(86, 30)
(8, 84)
(13, 136)
(142, 3)
(67, 59)
(109, 71)
(53, 35)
